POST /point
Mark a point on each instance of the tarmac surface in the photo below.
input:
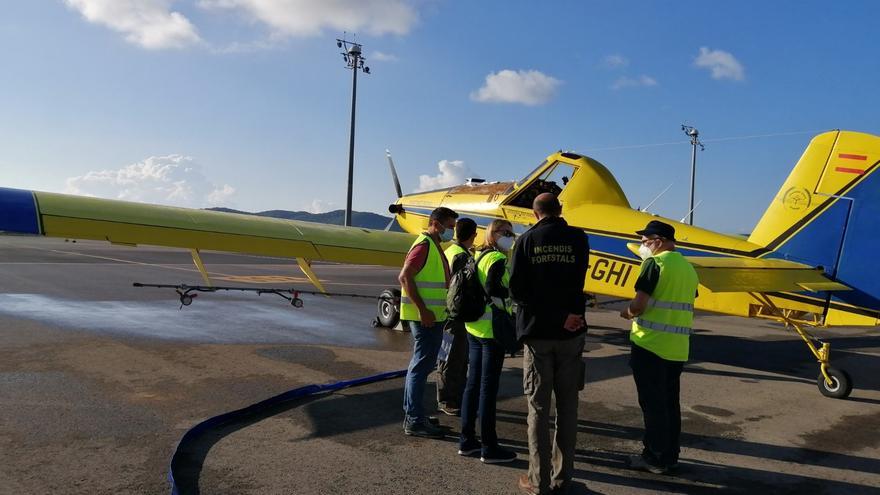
(99, 381)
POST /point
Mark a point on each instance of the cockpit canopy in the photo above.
(575, 179)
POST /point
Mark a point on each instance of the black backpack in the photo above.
(466, 299)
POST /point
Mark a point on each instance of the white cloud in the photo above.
(526, 87)
(171, 180)
(642, 81)
(452, 173)
(384, 57)
(322, 206)
(722, 64)
(312, 17)
(147, 23)
(615, 61)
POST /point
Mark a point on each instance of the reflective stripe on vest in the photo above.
(662, 327)
(665, 326)
(654, 303)
(427, 301)
(430, 283)
(482, 328)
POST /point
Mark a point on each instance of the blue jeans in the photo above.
(485, 361)
(426, 345)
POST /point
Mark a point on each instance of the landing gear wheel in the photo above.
(186, 299)
(388, 312)
(840, 387)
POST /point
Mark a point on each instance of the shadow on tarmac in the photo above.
(774, 360)
(709, 477)
(781, 360)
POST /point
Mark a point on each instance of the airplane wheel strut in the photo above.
(840, 386)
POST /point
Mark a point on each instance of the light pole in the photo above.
(694, 134)
(354, 60)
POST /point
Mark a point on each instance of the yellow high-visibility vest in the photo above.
(452, 251)
(482, 328)
(666, 325)
(430, 284)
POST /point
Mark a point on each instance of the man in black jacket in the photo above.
(547, 282)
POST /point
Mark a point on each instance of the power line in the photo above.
(716, 140)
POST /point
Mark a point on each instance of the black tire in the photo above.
(388, 311)
(841, 387)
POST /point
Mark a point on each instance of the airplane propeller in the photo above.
(394, 174)
(396, 185)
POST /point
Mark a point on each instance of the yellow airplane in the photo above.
(804, 265)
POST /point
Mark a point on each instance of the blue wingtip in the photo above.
(18, 212)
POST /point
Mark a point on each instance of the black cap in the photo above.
(656, 227)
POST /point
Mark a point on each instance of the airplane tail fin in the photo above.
(827, 213)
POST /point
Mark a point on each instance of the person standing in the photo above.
(486, 353)
(424, 280)
(452, 372)
(547, 283)
(662, 312)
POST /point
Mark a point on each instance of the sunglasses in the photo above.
(505, 233)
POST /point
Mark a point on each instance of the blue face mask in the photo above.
(446, 236)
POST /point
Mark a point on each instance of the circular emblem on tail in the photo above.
(796, 198)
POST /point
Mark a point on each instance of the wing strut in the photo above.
(306, 267)
(197, 259)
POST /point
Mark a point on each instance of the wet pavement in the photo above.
(99, 380)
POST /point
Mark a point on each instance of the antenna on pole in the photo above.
(353, 55)
(694, 134)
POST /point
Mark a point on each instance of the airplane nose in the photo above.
(18, 211)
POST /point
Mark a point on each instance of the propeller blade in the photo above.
(390, 224)
(393, 176)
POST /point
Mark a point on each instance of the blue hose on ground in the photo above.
(255, 409)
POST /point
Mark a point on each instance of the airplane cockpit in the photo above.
(553, 179)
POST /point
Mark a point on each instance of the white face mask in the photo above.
(446, 236)
(505, 243)
(645, 252)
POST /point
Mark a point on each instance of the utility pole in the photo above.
(694, 134)
(354, 60)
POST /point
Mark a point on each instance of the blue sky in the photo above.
(245, 103)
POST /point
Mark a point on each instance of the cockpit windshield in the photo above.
(526, 178)
(553, 180)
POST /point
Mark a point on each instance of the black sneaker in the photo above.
(497, 455)
(469, 447)
(423, 429)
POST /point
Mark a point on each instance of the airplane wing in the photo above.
(127, 223)
(760, 275)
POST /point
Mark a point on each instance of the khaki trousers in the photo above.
(552, 367)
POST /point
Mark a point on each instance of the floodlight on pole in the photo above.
(694, 134)
(354, 60)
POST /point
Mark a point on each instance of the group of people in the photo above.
(542, 276)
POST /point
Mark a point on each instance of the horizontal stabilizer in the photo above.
(760, 275)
